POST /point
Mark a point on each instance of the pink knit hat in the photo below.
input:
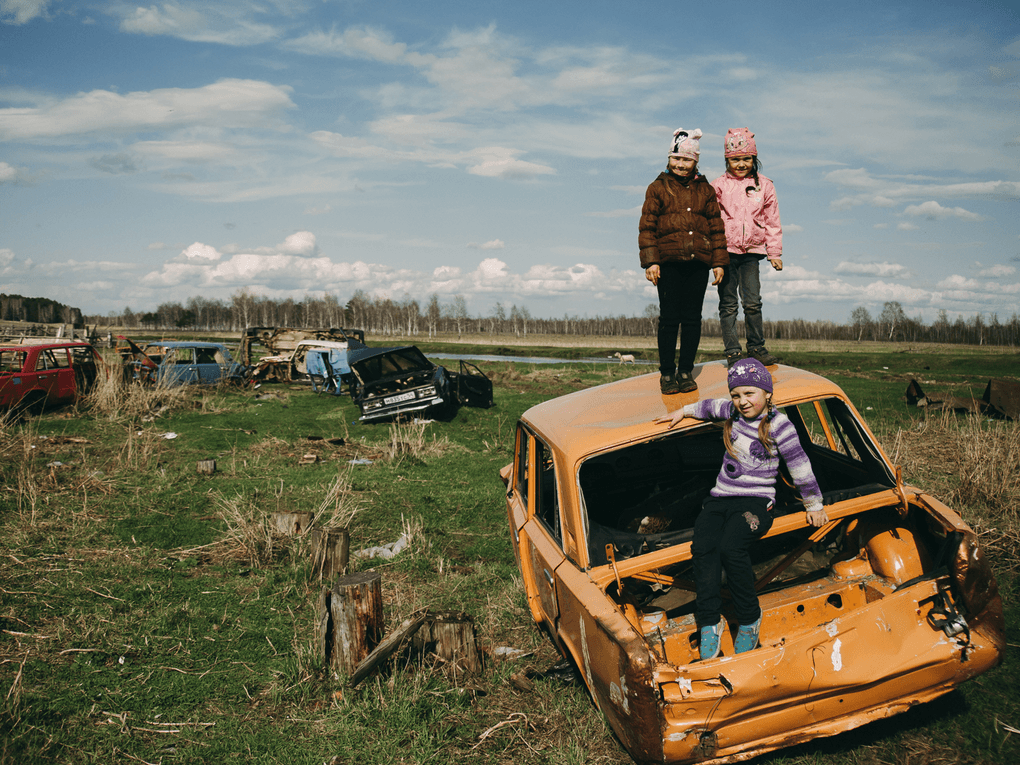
(685, 143)
(739, 142)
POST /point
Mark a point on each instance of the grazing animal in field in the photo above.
(625, 358)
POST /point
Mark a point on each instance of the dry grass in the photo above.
(340, 503)
(407, 440)
(971, 463)
(250, 535)
(117, 399)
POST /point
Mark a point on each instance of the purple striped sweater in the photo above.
(754, 473)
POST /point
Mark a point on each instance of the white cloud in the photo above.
(225, 104)
(997, 271)
(21, 11)
(494, 244)
(872, 269)
(209, 22)
(907, 226)
(11, 174)
(934, 211)
(356, 42)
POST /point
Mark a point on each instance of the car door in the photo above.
(54, 376)
(474, 388)
(178, 366)
(541, 535)
(85, 361)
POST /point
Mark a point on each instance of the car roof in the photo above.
(615, 413)
(60, 344)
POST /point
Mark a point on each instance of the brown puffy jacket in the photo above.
(681, 223)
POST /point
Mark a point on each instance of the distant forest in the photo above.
(384, 317)
(38, 310)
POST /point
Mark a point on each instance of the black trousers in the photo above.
(723, 534)
(681, 288)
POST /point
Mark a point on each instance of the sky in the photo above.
(151, 152)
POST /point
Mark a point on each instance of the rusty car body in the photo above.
(35, 374)
(180, 362)
(297, 354)
(888, 605)
(395, 382)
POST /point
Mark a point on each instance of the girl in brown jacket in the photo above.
(681, 237)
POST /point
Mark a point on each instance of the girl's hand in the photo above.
(817, 517)
(672, 419)
(652, 273)
(717, 275)
(777, 263)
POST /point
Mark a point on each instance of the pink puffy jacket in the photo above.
(751, 215)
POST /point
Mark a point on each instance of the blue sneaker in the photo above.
(747, 637)
(711, 640)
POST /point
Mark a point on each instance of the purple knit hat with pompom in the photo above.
(749, 372)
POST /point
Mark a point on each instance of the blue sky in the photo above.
(500, 151)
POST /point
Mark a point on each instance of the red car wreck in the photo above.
(888, 605)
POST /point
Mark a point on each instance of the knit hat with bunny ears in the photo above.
(739, 142)
(685, 144)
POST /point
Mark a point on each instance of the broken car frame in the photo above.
(890, 604)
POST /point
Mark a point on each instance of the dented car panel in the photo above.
(890, 604)
(38, 374)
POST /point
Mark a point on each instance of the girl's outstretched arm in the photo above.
(672, 419)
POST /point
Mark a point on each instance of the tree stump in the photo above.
(323, 625)
(206, 467)
(331, 552)
(451, 636)
(356, 611)
(291, 524)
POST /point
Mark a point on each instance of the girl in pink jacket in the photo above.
(747, 201)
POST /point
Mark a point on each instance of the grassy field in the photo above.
(147, 614)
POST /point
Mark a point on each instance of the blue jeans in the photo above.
(681, 288)
(741, 278)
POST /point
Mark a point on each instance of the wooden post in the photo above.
(451, 635)
(291, 524)
(206, 467)
(331, 550)
(356, 608)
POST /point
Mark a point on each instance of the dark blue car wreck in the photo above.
(395, 382)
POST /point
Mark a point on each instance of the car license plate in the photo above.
(397, 399)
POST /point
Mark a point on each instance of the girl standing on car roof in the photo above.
(738, 510)
(681, 237)
(751, 214)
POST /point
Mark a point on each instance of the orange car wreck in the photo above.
(888, 605)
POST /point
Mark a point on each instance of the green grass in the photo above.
(130, 631)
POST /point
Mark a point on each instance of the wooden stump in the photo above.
(291, 524)
(323, 625)
(356, 608)
(331, 549)
(206, 467)
(451, 636)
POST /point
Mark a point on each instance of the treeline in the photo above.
(381, 317)
(37, 310)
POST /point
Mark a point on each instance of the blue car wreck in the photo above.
(180, 362)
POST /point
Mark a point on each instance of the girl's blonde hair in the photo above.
(764, 429)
